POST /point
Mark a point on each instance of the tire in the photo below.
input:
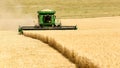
(41, 26)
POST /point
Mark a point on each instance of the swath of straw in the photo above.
(81, 62)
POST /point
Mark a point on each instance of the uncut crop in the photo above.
(94, 45)
(17, 51)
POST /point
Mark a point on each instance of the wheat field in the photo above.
(94, 45)
(17, 51)
(65, 9)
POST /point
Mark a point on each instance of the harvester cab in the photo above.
(46, 18)
(46, 21)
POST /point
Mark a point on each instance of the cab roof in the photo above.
(46, 11)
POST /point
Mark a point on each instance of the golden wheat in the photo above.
(90, 47)
(17, 51)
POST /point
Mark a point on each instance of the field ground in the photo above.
(95, 43)
(17, 51)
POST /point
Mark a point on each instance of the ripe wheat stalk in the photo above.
(81, 62)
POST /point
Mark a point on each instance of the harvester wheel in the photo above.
(41, 26)
(53, 25)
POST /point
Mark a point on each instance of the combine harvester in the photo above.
(47, 21)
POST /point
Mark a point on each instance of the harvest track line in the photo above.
(69, 54)
(46, 41)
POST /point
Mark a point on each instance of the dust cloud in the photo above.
(11, 15)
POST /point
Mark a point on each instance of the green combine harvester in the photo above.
(46, 21)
